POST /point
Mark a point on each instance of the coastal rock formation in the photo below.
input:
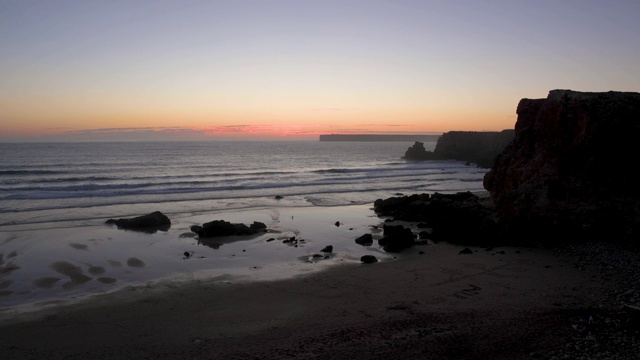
(569, 169)
(224, 228)
(149, 223)
(463, 217)
(480, 148)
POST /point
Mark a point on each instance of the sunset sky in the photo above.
(262, 69)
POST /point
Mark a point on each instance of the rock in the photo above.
(462, 217)
(566, 171)
(337, 223)
(224, 228)
(366, 239)
(278, 197)
(327, 249)
(149, 223)
(398, 240)
(465, 251)
(368, 259)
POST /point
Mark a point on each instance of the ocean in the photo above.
(56, 197)
(52, 184)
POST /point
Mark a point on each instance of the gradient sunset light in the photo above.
(156, 70)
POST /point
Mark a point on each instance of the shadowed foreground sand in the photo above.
(439, 305)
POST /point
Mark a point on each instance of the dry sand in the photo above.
(438, 305)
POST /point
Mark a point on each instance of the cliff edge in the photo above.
(569, 169)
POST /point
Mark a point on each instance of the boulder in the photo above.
(368, 259)
(398, 240)
(217, 228)
(366, 239)
(149, 223)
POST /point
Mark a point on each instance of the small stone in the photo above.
(327, 249)
(465, 251)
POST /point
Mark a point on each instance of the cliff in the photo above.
(569, 169)
(480, 148)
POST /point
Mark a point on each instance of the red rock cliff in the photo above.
(571, 167)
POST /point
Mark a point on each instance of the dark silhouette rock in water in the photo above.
(478, 147)
(224, 228)
(149, 223)
(569, 169)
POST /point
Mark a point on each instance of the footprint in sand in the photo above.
(79, 246)
(73, 272)
(45, 282)
(135, 262)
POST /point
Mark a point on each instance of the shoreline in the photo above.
(54, 264)
(428, 301)
(438, 305)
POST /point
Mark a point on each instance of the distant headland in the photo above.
(378, 137)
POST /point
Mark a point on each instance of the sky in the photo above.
(263, 69)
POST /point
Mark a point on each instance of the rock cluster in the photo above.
(224, 228)
(463, 217)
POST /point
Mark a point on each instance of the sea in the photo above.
(56, 197)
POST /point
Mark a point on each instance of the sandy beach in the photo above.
(438, 305)
(428, 302)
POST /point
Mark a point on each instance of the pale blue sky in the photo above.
(301, 67)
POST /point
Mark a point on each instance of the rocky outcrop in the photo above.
(149, 223)
(480, 148)
(217, 228)
(568, 172)
(462, 218)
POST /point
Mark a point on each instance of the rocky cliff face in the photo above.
(569, 170)
(480, 148)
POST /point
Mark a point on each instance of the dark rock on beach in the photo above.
(149, 223)
(368, 259)
(224, 228)
(457, 218)
(327, 249)
(398, 240)
(366, 239)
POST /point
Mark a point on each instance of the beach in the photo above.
(428, 302)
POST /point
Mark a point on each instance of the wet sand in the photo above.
(506, 303)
